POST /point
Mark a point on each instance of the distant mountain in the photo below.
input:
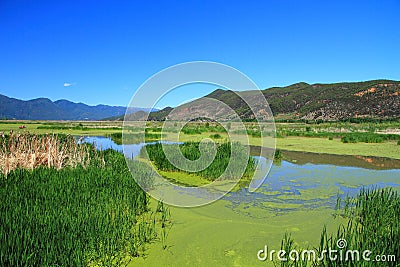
(369, 99)
(45, 109)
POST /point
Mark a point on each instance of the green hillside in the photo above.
(302, 101)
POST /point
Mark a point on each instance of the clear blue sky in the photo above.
(106, 50)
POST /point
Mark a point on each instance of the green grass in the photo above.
(74, 216)
(73, 128)
(322, 145)
(346, 137)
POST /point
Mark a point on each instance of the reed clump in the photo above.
(29, 151)
(373, 224)
(225, 152)
(84, 216)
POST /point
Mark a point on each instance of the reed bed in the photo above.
(373, 223)
(191, 151)
(94, 214)
(134, 138)
(29, 151)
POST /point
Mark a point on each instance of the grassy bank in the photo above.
(388, 149)
(62, 127)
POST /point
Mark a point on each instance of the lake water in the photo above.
(305, 179)
(297, 197)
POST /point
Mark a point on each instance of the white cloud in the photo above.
(68, 84)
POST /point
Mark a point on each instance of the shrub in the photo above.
(216, 136)
(278, 155)
(349, 139)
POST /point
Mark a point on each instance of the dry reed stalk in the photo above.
(31, 151)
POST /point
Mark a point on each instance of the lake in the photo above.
(297, 197)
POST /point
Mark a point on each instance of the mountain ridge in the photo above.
(299, 101)
(303, 101)
(44, 109)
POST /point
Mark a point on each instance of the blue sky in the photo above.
(107, 49)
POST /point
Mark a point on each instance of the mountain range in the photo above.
(45, 109)
(336, 101)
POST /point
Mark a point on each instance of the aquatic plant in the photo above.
(134, 138)
(373, 224)
(278, 155)
(72, 206)
(166, 223)
(190, 150)
(95, 215)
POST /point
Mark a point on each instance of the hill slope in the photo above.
(378, 98)
(371, 99)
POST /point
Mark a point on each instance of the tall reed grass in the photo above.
(134, 138)
(191, 151)
(29, 151)
(373, 223)
(90, 214)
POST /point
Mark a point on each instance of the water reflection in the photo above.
(103, 143)
(295, 157)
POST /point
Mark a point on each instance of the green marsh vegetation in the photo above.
(199, 127)
(346, 137)
(62, 127)
(216, 136)
(278, 156)
(373, 223)
(134, 138)
(88, 213)
(166, 222)
(191, 151)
